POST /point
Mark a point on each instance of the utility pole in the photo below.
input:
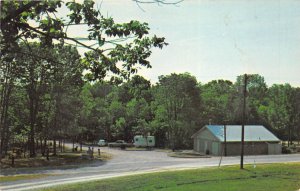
(243, 121)
(225, 141)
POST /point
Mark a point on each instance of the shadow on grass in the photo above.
(39, 164)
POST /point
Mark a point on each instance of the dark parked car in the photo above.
(120, 143)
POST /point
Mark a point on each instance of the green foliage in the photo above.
(177, 96)
(39, 58)
(216, 97)
(256, 97)
(128, 43)
(280, 108)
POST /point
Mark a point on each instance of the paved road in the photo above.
(132, 162)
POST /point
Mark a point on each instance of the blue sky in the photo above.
(220, 39)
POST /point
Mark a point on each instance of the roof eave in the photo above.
(251, 141)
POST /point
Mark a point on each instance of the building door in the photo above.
(274, 148)
(215, 148)
(201, 146)
(205, 147)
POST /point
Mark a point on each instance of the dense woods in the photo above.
(51, 92)
(172, 109)
(42, 74)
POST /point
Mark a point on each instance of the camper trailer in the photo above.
(102, 142)
(144, 141)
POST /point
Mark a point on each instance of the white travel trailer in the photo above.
(144, 141)
(102, 142)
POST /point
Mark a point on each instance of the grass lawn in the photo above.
(264, 177)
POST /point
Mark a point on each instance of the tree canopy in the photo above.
(118, 47)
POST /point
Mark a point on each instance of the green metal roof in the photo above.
(233, 133)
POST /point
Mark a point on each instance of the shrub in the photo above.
(286, 150)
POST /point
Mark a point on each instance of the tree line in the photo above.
(54, 103)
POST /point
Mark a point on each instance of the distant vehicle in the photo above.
(119, 143)
(144, 141)
(102, 142)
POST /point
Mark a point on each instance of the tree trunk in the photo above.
(298, 134)
(37, 146)
(61, 146)
(4, 128)
(108, 133)
(33, 94)
(25, 148)
(54, 147)
(41, 145)
(44, 146)
(32, 107)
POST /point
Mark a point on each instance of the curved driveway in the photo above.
(133, 162)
